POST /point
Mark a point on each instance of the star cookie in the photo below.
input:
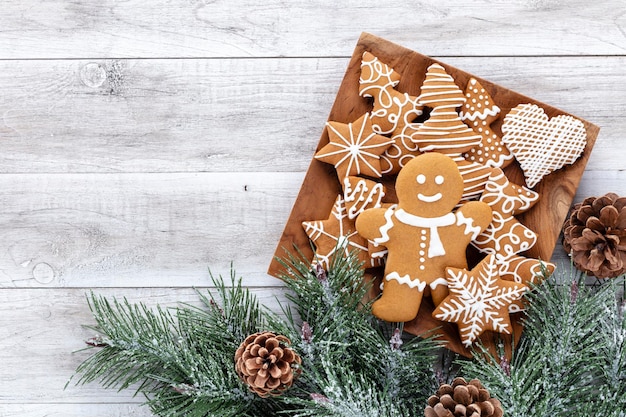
(479, 112)
(478, 301)
(335, 235)
(354, 148)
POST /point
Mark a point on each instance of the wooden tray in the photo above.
(321, 186)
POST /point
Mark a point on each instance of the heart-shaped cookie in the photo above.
(542, 145)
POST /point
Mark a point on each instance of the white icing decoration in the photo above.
(361, 197)
(468, 222)
(407, 280)
(438, 282)
(429, 198)
(475, 300)
(384, 229)
(542, 145)
(435, 247)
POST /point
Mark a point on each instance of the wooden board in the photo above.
(321, 186)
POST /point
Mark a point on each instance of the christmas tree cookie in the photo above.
(445, 132)
(479, 112)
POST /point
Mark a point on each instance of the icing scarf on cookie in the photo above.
(435, 247)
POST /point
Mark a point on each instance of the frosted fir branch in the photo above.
(567, 347)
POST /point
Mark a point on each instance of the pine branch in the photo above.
(557, 366)
(181, 359)
(342, 344)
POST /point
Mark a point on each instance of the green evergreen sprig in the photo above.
(181, 359)
(570, 360)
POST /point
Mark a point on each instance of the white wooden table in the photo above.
(142, 143)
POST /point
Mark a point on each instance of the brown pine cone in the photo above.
(463, 399)
(595, 236)
(266, 363)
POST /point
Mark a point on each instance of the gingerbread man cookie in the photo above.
(422, 234)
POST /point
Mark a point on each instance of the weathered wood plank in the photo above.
(242, 28)
(40, 328)
(112, 230)
(77, 409)
(240, 114)
(101, 230)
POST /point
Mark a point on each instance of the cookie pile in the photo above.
(451, 192)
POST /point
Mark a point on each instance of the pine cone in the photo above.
(462, 399)
(266, 363)
(595, 236)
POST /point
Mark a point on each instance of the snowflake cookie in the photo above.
(354, 148)
(479, 300)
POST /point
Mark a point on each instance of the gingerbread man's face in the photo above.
(430, 185)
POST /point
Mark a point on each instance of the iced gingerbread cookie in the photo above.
(445, 132)
(392, 109)
(361, 194)
(401, 151)
(337, 233)
(422, 234)
(542, 145)
(479, 112)
(506, 237)
(479, 300)
(354, 148)
(375, 76)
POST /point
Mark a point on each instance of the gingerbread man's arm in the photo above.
(370, 222)
(475, 215)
